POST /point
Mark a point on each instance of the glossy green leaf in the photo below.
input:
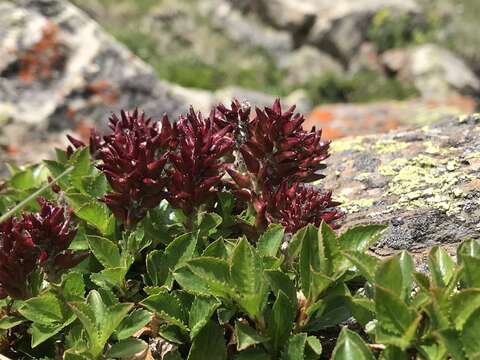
(126, 348)
(279, 281)
(360, 238)
(395, 274)
(441, 266)
(247, 336)
(469, 336)
(281, 321)
(8, 322)
(270, 241)
(295, 348)
(350, 346)
(136, 320)
(366, 264)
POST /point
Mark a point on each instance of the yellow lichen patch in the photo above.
(347, 144)
(350, 206)
(389, 146)
(425, 181)
(431, 148)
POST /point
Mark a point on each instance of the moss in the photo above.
(389, 146)
(347, 144)
(425, 181)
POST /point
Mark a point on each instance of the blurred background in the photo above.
(353, 67)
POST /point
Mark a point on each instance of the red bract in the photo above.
(133, 157)
(298, 205)
(18, 257)
(52, 232)
(196, 160)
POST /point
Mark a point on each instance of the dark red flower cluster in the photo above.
(133, 157)
(197, 167)
(18, 258)
(279, 155)
(35, 239)
(299, 205)
(264, 154)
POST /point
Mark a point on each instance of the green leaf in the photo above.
(92, 211)
(468, 248)
(45, 309)
(173, 334)
(209, 344)
(313, 349)
(295, 348)
(204, 276)
(397, 323)
(247, 336)
(208, 224)
(328, 312)
(73, 286)
(136, 320)
(109, 278)
(362, 309)
(366, 264)
(463, 305)
(168, 307)
(295, 243)
(42, 332)
(270, 241)
(126, 348)
(8, 322)
(441, 266)
(279, 281)
(360, 238)
(471, 275)
(469, 336)
(105, 251)
(216, 249)
(395, 274)
(350, 346)
(309, 259)
(451, 339)
(176, 253)
(253, 354)
(200, 313)
(246, 273)
(157, 268)
(281, 321)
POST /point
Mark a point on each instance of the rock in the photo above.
(341, 28)
(340, 120)
(423, 183)
(367, 59)
(434, 71)
(306, 63)
(61, 67)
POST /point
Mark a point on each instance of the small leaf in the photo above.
(209, 344)
(247, 336)
(200, 313)
(281, 321)
(8, 322)
(246, 273)
(279, 281)
(168, 307)
(216, 249)
(157, 268)
(463, 305)
(126, 348)
(395, 274)
(351, 346)
(471, 275)
(360, 238)
(105, 251)
(295, 349)
(366, 264)
(441, 266)
(469, 336)
(45, 309)
(136, 320)
(269, 242)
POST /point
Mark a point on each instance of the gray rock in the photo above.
(341, 28)
(435, 71)
(61, 67)
(306, 63)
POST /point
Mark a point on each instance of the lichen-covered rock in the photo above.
(423, 183)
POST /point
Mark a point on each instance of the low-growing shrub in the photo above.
(203, 240)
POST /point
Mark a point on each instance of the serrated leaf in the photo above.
(204, 276)
(441, 266)
(471, 275)
(216, 249)
(42, 332)
(209, 222)
(126, 348)
(295, 348)
(168, 307)
(92, 211)
(200, 313)
(106, 252)
(281, 321)
(247, 336)
(469, 336)
(269, 242)
(157, 268)
(45, 309)
(253, 354)
(246, 274)
(209, 344)
(173, 334)
(360, 238)
(109, 278)
(451, 339)
(309, 258)
(366, 264)
(396, 275)
(362, 309)
(136, 320)
(328, 312)
(73, 286)
(176, 253)
(8, 322)
(463, 305)
(295, 243)
(279, 281)
(351, 346)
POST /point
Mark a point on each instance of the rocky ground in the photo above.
(61, 72)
